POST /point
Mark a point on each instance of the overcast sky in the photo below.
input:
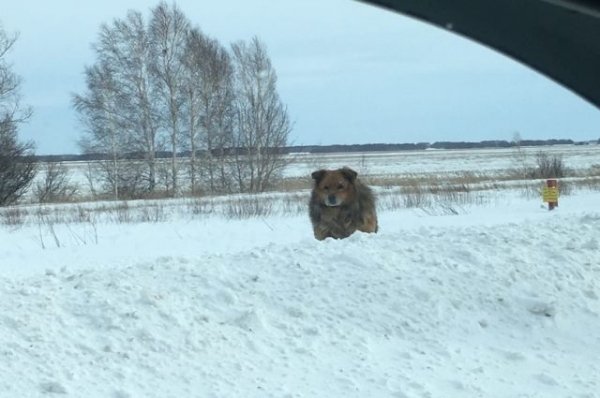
(348, 72)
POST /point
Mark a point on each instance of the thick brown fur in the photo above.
(340, 204)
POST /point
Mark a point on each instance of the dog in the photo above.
(341, 205)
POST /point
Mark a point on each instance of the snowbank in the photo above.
(498, 301)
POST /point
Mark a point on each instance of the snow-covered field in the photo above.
(489, 160)
(410, 163)
(499, 300)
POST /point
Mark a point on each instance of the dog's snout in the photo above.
(331, 199)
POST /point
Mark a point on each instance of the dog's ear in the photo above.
(349, 173)
(318, 175)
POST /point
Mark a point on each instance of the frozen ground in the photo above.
(501, 300)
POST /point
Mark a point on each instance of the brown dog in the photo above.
(340, 204)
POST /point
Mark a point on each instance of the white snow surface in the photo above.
(500, 300)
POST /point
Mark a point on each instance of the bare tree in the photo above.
(519, 156)
(209, 100)
(17, 165)
(192, 61)
(99, 112)
(119, 106)
(168, 31)
(262, 122)
(163, 82)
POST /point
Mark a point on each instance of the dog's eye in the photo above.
(340, 186)
(326, 187)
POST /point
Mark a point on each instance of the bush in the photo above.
(548, 166)
(17, 167)
(54, 186)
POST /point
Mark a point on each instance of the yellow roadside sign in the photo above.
(550, 194)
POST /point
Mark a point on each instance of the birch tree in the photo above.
(99, 113)
(262, 122)
(210, 95)
(168, 31)
(119, 106)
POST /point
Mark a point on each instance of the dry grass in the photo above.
(591, 183)
(12, 216)
(447, 193)
(250, 207)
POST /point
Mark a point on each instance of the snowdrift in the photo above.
(489, 303)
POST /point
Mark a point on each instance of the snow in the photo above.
(490, 161)
(499, 300)
(444, 162)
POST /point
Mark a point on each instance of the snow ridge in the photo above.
(471, 310)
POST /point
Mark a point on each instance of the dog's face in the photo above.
(335, 187)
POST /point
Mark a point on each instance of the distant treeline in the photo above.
(423, 145)
(497, 144)
(336, 149)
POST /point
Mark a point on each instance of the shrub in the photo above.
(17, 166)
(12, 216)
(54, 185)
(548, 166)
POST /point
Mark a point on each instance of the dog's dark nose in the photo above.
(331, 199)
